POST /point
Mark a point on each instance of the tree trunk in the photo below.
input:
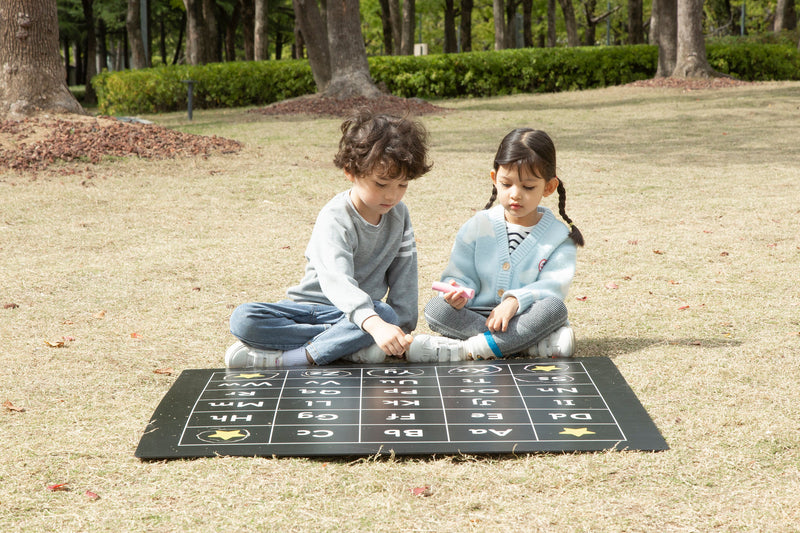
(785, 16)
(527, 35)
(32, 78)
(315, 39)
(349, 68)
(665, 29)
(591, 23)
(396, 19)
(231, 25)
(551, 23)
(386, 27)
(466, 25)
(690, 61)
(248, 15)
(133, 23)
(409, 25)
(635, 22)
(260, 30)
(450, 44)
(499, 14)
(570, 22)
(212, 48)
(91, 51)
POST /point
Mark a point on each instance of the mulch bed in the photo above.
(34, 144)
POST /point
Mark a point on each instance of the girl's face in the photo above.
(374, 196)
(519, 192)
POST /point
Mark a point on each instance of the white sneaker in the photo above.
(560, 343)
(240, 355)
(434, 349)
(372, 354)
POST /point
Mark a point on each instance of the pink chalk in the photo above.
(446, 287)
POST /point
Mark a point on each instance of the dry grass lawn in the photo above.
(689, 282)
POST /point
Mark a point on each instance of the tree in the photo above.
(785, 16)
(570, 22)
(349, 68)
(466, 25)
(498, 12)
(32, 76)
(665, 30)
(690, 59)
(91, 51)
(134, 26)
(336, 48)
(260, 30)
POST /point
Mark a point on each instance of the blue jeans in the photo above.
(323, 330)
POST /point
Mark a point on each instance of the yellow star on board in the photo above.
(250, 376)
(576, 432)
(226, 435)
(548, 368)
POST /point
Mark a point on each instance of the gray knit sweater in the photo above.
(351, 262)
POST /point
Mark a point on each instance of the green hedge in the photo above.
(471, 74)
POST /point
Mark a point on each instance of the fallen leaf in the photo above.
(12, 305)
(724, 254)
(422, 491)
(612, 285)
(198, 289)
(164, 371)
(100, 314)
(658, 252)
(56, 344)
(673, 282)
(683, 308)
(581, 298)
(135, 335)
(11, 407)
(91, 495)
(58, 487)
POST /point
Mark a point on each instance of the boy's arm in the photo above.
(402, 278)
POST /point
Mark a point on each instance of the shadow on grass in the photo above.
(615, 346)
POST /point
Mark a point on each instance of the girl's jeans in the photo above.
(524, 330)
(323, 330)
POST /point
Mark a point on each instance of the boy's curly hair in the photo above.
(383, 145)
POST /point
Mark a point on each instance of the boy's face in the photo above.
(374, 195)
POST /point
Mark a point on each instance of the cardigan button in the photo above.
(506, 266)
(500, 293)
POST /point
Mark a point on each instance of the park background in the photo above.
(118, 275)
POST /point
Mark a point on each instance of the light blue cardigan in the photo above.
(542, 265)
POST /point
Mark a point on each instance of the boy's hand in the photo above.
(501, 315)
(390, 338)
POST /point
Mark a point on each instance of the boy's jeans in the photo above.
(323, 330)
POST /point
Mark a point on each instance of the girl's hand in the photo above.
(457, 299)
(502, 314)
(390, 338)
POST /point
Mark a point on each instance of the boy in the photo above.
(361, 247)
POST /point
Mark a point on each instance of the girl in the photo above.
(518, 259)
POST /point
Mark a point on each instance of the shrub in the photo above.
(470, 74)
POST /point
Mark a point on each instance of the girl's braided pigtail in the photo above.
(492, 198)
(574, 233)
